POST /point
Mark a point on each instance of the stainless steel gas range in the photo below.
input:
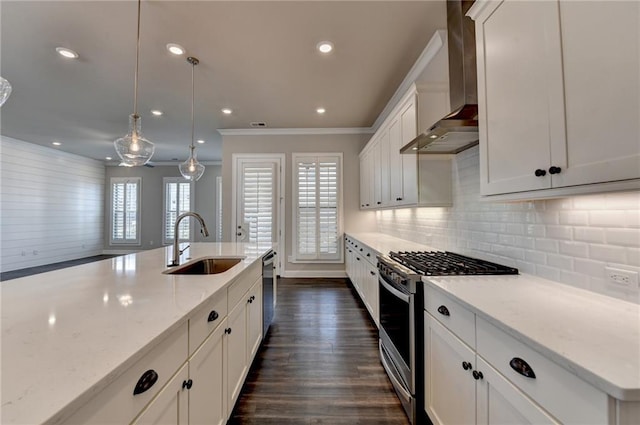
(401, 326)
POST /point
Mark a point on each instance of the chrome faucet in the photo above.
(176, 250)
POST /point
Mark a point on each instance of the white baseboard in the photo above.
(314, 273)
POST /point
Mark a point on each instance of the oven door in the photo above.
(396, 329)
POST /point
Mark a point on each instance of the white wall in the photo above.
(568, 240)
(151, 203)
(51, 205)
(349, 144)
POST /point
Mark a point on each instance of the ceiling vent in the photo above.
(257, 124)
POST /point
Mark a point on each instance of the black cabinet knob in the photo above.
(372, 273)
(251, 298)
(227, 331)
(466, 365)
(443, 310)
(212, 316)
(145, 382)
(477, 375)
(367, 204)
(378, 202)
(555, 170)
(360, 249)
(368, 254)
(358, 258)
(540, 172)
(522, 367)
(187, 384)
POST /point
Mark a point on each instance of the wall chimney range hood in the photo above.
(458, 130)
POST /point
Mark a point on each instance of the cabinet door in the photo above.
(602, 90)
(385, 179)
(499, 402)
(395, 161)
(365, 180)
(375, 166)
(372, 293)
(450, 395)
(235, 346)
(254, 320)
(409, 126)
(207, 395)
(520, 93)
(170, 405)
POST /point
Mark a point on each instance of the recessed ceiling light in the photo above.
(201, 141)
(67, 53)
(176, 49)
(433, 136)
(321, 110)
(227, 111)
(156, 112)
(415, 149)
(108, 158)
(325, 46)
(56, 143)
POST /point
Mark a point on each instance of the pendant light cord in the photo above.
(193, 95)
(135, 80)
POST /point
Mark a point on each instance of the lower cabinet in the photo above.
(361, 267)
(461, 388)
(171, 405)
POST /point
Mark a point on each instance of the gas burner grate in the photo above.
(444, 263)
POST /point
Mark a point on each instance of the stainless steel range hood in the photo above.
(458, 130)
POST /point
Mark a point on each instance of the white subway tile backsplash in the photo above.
(568, 240)
(575, 249)
(614, 254)
(625, 237)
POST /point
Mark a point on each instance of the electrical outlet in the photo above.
(626, 278)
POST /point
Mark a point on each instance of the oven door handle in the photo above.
(404, 297)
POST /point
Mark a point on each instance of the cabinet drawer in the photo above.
(561, 393)
(236, 291)
(117, 404)
(206, 320)
(451, 314)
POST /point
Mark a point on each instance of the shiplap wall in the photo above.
(569, 240)
(51, 210)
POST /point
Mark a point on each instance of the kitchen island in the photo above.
(68, 334)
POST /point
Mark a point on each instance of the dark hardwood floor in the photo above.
(319, 363)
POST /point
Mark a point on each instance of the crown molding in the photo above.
(293, 131)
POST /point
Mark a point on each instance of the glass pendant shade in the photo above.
(5, 90)
(134, 149)
(191, 169)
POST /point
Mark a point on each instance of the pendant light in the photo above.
(191, 169)
(134, 149)
(5, 90)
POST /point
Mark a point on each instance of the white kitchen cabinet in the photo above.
(207, 400)
(558, 105)
(403, 168)
(170, 406)
(236, 352)
(366, 182)
(370, 282)
(361, 267)
(385, 169)
(254, 320)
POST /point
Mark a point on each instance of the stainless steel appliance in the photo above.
(268, 280)
(401, 326)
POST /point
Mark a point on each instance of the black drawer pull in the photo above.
(522, 367)
(555, 170)
(227, 331)
(540, 172)
(212, 316)
(187, 384)
(466, 365)
(145, 382)
(477, 375)
(372, 273)
(443, 310)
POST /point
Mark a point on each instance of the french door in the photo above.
(258, 199)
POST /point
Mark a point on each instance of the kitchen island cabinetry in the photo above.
(558, 106)
(131, 343)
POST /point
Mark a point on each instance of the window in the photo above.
(177, 200)
(317, 189)
(125, 210)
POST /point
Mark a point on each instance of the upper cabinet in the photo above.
(559, 96)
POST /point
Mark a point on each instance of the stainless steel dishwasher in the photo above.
(268, 280)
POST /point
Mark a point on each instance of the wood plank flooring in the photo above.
(319, 363)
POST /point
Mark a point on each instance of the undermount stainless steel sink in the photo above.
(206, 266)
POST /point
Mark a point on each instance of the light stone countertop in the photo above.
(594, 336)
(68, 333)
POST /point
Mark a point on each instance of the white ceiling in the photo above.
(257, 57)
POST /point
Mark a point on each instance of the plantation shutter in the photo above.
(125, 213)
(317, 188)
(258, 203)
(177, 201)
